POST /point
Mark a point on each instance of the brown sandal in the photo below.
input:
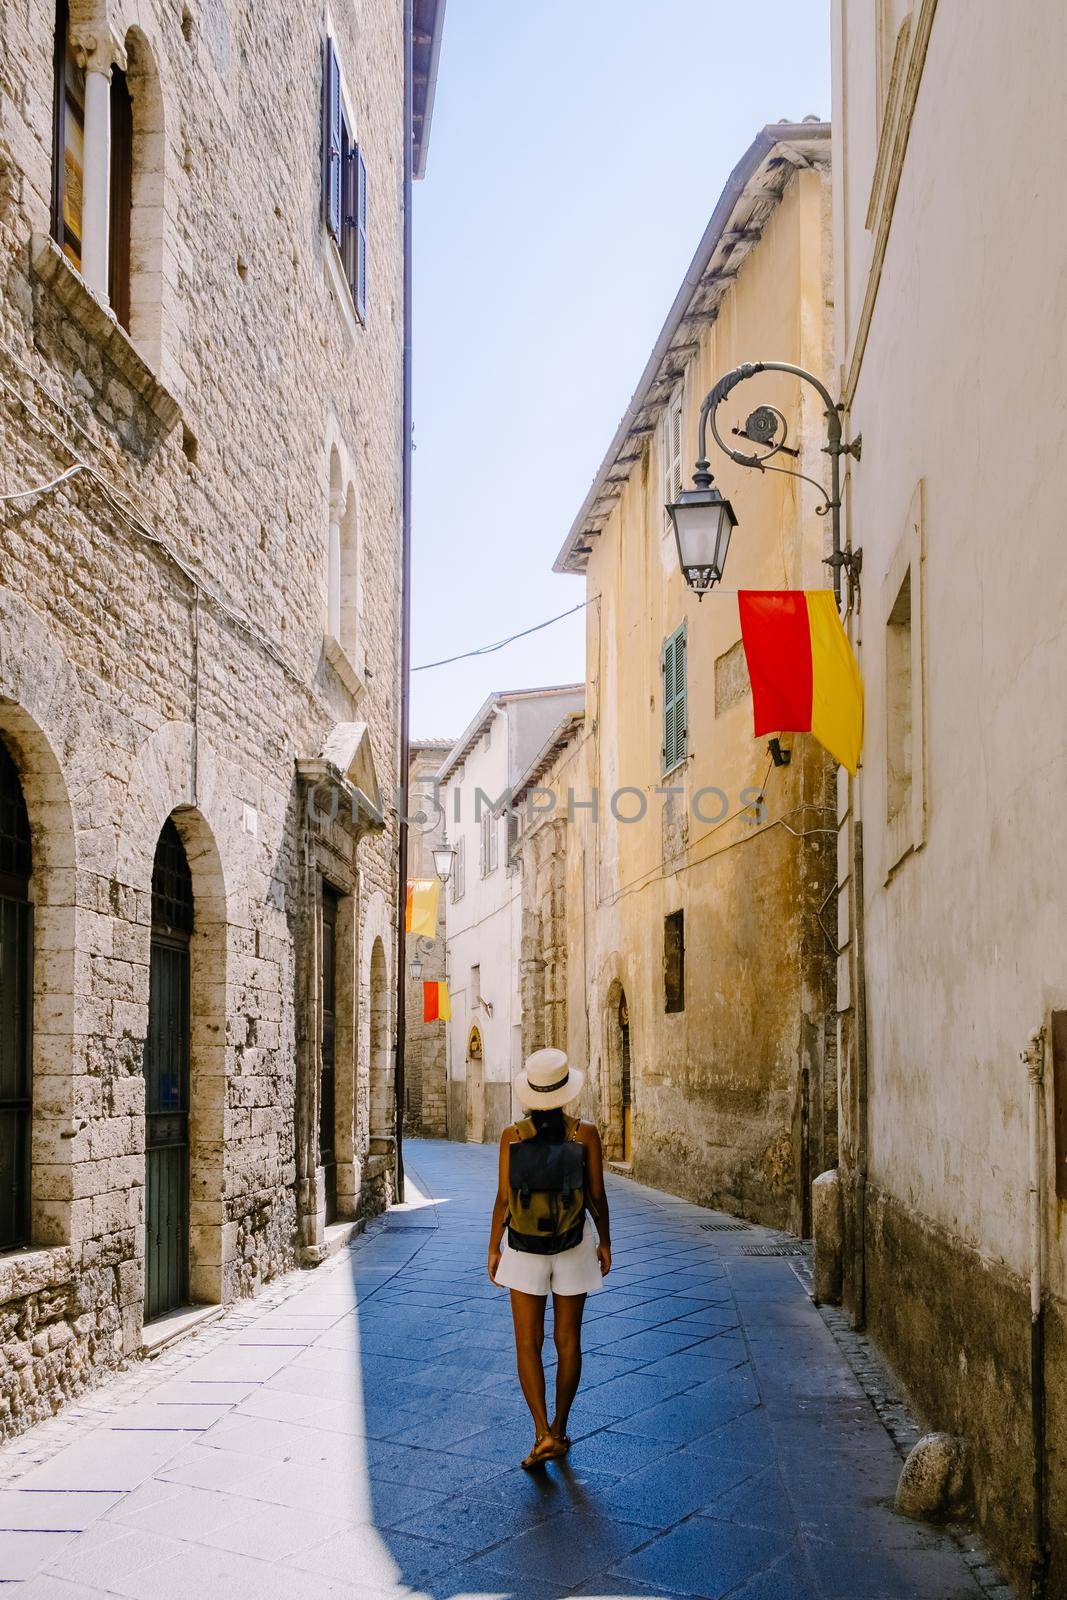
(546, 1446)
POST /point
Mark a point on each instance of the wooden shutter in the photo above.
(360, 286)
(331, 141)
(675, 714)
(120, 232)
(672, 454)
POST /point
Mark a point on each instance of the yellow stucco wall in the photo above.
(719, 1089)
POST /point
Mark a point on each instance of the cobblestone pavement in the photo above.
(356, 1432)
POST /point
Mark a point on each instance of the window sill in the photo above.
(98, 321)
(31, 1271)
(669, 772)
(351, 674)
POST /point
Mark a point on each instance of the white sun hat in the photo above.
(547, 1082)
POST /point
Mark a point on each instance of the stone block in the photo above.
(827, 1222)
(932, 1484)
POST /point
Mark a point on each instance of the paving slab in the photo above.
(356, 1433)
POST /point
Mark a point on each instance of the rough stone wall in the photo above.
(425, 1080)
(162, 650)
(543, 956)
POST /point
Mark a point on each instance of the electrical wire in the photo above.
(487, 649)
(124, 506)
(44, 488)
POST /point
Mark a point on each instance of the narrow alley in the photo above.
(356, 1431)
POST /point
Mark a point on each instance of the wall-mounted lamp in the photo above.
(703, 520)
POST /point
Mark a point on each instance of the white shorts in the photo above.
(574, 1271)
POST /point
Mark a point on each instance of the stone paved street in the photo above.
(356, 1432)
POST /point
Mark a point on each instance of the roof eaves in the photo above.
(780, 142)
(561, 736)
(428, 21)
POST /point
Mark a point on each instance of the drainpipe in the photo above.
(405, 611)
(859, 1220)
(1033, 1058)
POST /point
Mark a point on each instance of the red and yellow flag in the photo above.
(435, 1003)
(803, 673)
(420, 913)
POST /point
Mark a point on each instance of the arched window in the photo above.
(107, 165)
(350, 578)
(333, 551)
(16, 1007)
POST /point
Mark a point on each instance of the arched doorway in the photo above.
(166, 1071)
(625, 1080)
(16, 1007)
(382, 1122)
(618, 1089)
(475, 1088)
(327, 1051)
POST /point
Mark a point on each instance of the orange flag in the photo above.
(803, 673)
(436, 1005)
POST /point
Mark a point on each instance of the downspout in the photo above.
(860, 1218)
(1034, 1060)
(405, 609)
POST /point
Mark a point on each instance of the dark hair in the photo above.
(549, 1124)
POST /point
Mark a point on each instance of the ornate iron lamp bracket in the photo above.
(767, 428)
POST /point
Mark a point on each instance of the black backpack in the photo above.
(546, 1191)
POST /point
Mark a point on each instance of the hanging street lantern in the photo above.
(444, 856)
(703, 522)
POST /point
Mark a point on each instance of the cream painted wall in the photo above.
(961, 389)
(483, 928)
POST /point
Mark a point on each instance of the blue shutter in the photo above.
(667, 673)
(361, 236)
(675, 699)
(331, 141)
(681, 695)
(349, 213)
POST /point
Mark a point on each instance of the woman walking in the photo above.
(551, 1171)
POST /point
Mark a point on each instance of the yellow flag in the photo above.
(423, 898)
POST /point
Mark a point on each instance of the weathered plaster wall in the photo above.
(733, 1098)
(953, 340)
(163, 652)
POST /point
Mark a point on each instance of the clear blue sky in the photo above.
(578, 148)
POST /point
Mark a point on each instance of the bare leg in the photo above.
(528, 1315)
(567, 1312)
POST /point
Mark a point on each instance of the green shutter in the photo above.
(675, 699)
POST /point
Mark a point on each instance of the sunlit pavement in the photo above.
(356, 1432)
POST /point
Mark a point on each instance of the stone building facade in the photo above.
(700, 970)
(425, 1068)
(952, 986)
(201, 336)
(541, 852)
(477, 780)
